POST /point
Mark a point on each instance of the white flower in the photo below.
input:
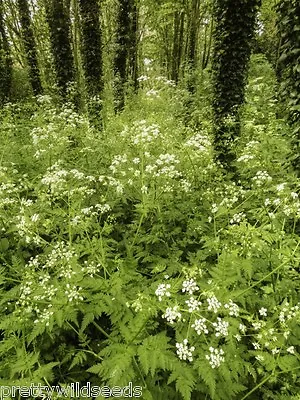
(171, 314)
(294, 195)
(184, 352)
(189, 286)
(237, 218)
(162, 291)
(73, 293)
(286, 334)
(256, 345)
(245, 158)
(213, 304)
(142, 78)
(147, 61)
(280, 187)
(221, 327)
(193, 304)
(260, 358)
(233, 308)
(258, 325)
(291, 349)
(144, 189)
(200, 326)
(261, 177)
(275, 351)
(263, 312)
(214, 208)
(215, 357)
(35, 217)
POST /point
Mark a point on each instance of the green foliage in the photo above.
(127, 256)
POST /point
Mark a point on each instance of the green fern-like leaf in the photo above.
(79, 359)
(153, 354)
(185, 379)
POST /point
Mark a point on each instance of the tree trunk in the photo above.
(289, 67)
(193, 34)
(233, 34)
(91, 46)
(59, 26)
(125, 63)
(5, 61)
(30, 46)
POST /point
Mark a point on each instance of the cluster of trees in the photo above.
(73, 42)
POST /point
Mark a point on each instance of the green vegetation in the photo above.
(129, 251)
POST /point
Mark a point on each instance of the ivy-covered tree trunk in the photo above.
(29, 46)
(125, 63)
(208, 33)
(289, 65)
(233, 34)
(193, 33)
(192, 37)
(133, 46)
(5, 61)
(91, 46)
(59, 26)
(178, 35)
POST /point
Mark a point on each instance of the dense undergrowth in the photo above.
(128, 255)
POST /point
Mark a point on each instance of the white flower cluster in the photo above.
(44, 316)
(200, 326)
(91, 268)
(287, 313)
(143, 78)
(26, 288)
(215, 357)
(145, 133)
(263, 312)
(200, 142)
(193, 304)
(221, 327)
(214, 208)
(45, 138)
(118, 161)
(58, 181)
(189, 286)
(237, 218)
(171, 314)
(233, 308)
(261, 178)
(245, 158)
(152, 93)
(165, 81)
(163, 290)
(60, 254)
(258, 325)
(281, 187)
(185, 352)
(291, 350)
(165, 165)
(73, 293)
(111, 181)
(213, 304)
